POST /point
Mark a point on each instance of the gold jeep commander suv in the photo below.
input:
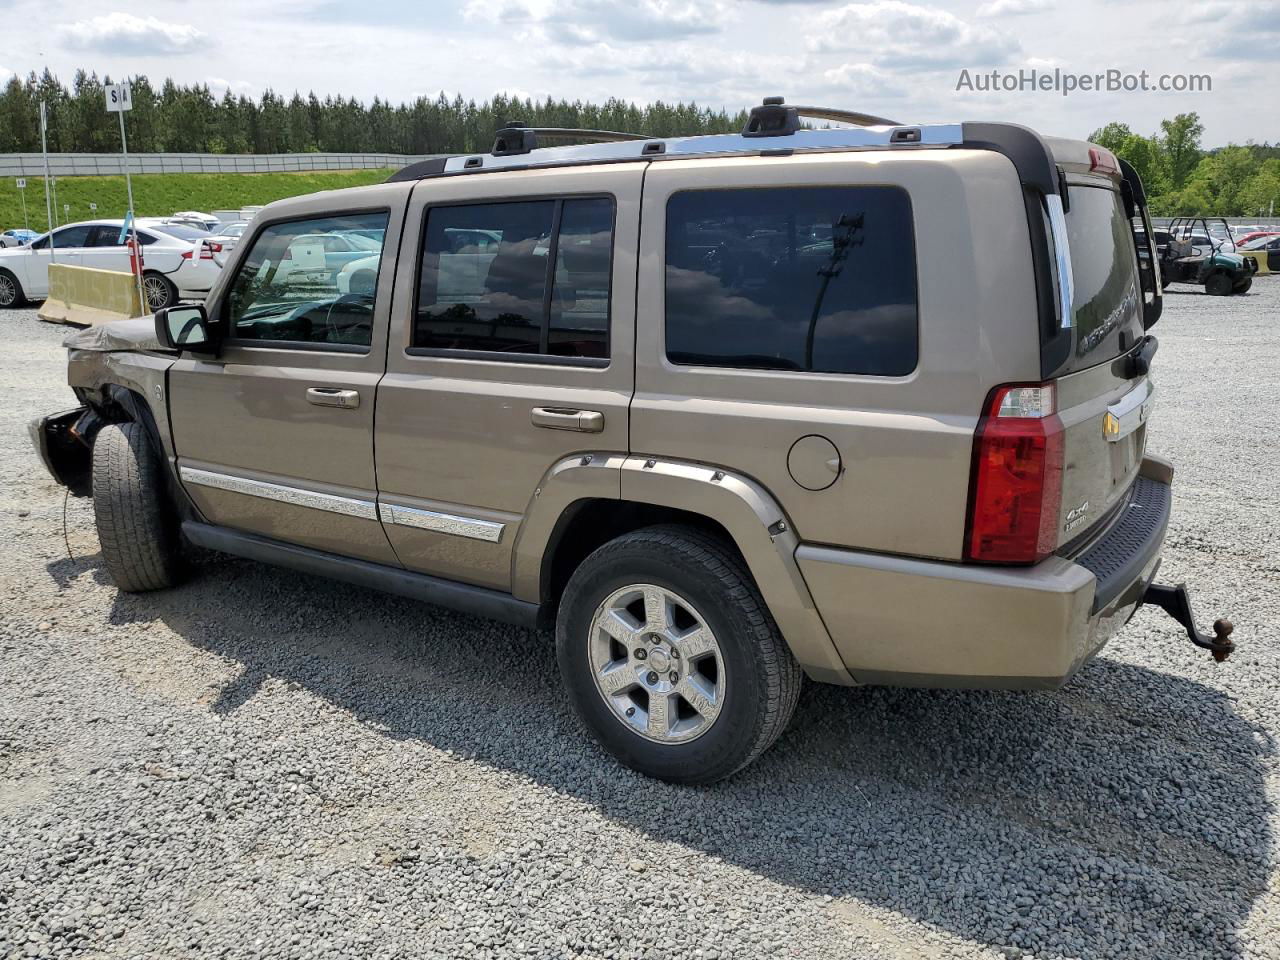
(866, 404)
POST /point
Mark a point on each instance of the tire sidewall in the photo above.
(731, 739)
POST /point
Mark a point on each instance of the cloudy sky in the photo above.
(897, 58)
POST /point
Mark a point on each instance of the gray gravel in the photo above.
(264, 764)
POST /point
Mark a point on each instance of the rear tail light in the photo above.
(1015, 489)
(207, 250)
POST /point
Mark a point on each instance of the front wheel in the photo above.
(1218, 285)
(1243, 286)
(671, 658)
(159, 291)
(137, 527)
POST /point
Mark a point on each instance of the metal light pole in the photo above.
(48, 200)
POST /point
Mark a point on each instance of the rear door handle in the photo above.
(568, 418)
(333, 397)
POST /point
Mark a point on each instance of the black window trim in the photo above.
(675, 366)
(303, 346)
(541, 358)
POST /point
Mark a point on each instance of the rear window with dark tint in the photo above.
(818, 279)
(1104, 273)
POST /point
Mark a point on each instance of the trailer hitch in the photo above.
(1176, 602)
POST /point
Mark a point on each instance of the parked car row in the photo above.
(182, 255)
(177, 263)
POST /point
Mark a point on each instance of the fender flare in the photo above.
(759, 528)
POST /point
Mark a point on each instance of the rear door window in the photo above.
(819, 279)
(1107, 314)
(517, 277)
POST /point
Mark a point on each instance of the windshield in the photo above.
(1107, 316)
(1257, 243)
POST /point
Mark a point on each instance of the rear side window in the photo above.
(818, 279)
(520, 277)
(1104, 267)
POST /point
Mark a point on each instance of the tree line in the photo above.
(191, 119)
(1180, 175)
(1183, 179)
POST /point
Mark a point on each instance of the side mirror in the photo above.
(186, 328)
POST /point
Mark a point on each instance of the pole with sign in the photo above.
(120, 100)
(22, 192)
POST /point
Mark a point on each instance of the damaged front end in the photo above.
(64, 442)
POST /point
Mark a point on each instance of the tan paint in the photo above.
(460, 432)
(458, 437)
(905, 443)
(246, 413)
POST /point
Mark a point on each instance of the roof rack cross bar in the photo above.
(515, 138)
(776, 118)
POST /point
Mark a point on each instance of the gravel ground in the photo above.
(264, 764)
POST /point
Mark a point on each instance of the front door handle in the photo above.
(333, 397)
(568, 418)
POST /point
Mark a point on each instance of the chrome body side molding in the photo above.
(487, 530)
(348, 506)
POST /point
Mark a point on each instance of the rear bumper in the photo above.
(906, 622)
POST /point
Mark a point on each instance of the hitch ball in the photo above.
(1222, 632)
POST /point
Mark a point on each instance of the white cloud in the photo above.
(903, 35)
(220, 86)
(591, 21)
(1013, 8)
(123, 33)
(5, 74)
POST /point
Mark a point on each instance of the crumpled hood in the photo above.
(136, 333)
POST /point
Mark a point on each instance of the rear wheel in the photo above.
(159, 291)
(1243, 286)
(1218, 285)
(671, 658)
(10, 290)
(137, 528)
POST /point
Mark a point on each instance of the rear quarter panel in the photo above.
(905, 442)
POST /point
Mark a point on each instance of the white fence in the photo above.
(111, 164)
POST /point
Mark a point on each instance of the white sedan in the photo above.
(175, 265)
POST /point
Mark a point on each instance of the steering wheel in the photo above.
(331, 328)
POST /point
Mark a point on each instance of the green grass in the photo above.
(160, 194)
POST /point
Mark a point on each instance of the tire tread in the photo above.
(131, 510)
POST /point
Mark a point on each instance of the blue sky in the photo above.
(895, 58)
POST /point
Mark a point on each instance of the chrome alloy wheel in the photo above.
(157, 292)
(8, 291)
(657, 663)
